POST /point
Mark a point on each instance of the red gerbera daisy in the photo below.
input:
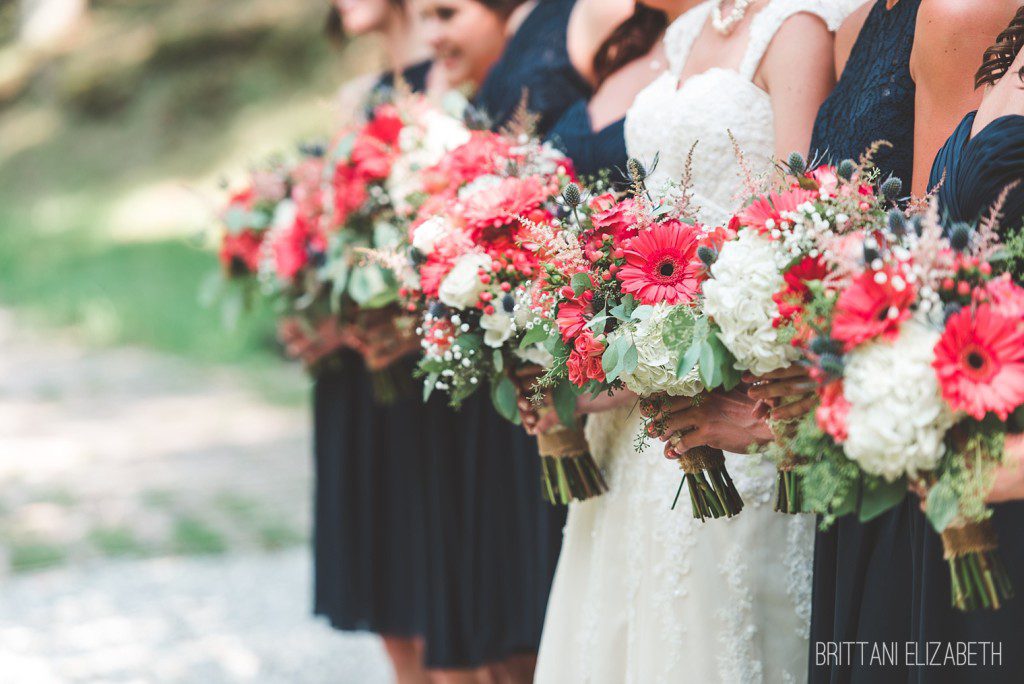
(240, 252)
(980, 362)
(876, 303)
(386, 125)
(662, 264)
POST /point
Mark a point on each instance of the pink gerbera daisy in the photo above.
(662, 264)
(980, 362)
(500, 205)
(765, 213)
(875, 304)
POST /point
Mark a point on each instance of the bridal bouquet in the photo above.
(919, 352)
(756, 295)
(625, 276)
(475, 282)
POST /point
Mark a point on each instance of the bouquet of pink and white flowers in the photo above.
(918, 349)
(474, 279)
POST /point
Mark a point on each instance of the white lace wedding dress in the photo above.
(643, 593)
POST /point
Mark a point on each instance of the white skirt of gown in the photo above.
(647, 594)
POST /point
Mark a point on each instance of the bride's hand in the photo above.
(723, 420)
(785, 394)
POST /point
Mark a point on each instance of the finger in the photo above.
(779, 374)
(683, 421)
(795, 409)
(690, 440)
(762, 409)
(781, 388)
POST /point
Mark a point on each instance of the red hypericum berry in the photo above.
(593, 255)
(410, 307)
(505, 287)
(606, 276)
(985, 268)
(947, 284)
(963, 288)
(619, 254)
(486, 296)
(613, 269)
(485, 279)
(489, 309)
(495, 265)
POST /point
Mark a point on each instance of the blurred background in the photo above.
(154, 465)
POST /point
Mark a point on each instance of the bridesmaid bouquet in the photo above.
(758, 289)
(476, 283)
(918, 349)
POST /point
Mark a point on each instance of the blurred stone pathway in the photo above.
(187, 620)
(154, 518)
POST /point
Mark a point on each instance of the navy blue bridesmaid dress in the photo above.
(976, 170)
(863, 572)
(369, 536)
(591, 151)
(535, 61)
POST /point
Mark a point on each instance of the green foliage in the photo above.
(1010, 258)
(504, 396)
(878, 496)
(831, 482)
(116, 542)
(33, 556)
(192, 536)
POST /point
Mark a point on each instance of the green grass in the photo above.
(116, 542)
(192, 537)
(33, 556)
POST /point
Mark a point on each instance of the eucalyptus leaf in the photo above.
(689, 359)
(642, 312)
(564, 398)
(879, 495)
(504, 396)
(630, 359)
(709, 371)
(499, 361)
(943, 505)
(533, 336)
(610, 359)
(580, 283)
(428, 385)
(624, 310)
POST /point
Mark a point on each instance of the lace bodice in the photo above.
(667, 117)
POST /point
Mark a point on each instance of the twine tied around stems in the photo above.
(701, 458)
(974, 537)
(562, 442)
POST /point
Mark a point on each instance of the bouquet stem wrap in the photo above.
(978, 577)
(568, 471)
(788, 495)
(712, 492)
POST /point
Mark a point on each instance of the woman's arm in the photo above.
(798, 73)
(951, 37)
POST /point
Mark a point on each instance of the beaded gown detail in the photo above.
(976, 170)
(863, 571)
(644, 593)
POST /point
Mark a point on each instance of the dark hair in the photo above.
(630, 40)
(334, 28)
(999, 57)
(502, 7)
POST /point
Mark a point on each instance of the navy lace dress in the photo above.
(863, 573)
(591, 151)
(369, 546)
(535, 61)
(976, 172)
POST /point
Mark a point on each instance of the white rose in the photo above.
(537, 355)
(497, 327)
(897, 418)
(427, 235)
(739, 297)
(461, 288)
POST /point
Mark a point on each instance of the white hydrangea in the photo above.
(739, 297)
(656, 369)
(897, 417)
(461, 288)
(423, 145)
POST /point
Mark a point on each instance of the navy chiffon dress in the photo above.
(369, 538)
(592, 152)
(535, 62)
(429, 522)
(864, 572)
(976, 170)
